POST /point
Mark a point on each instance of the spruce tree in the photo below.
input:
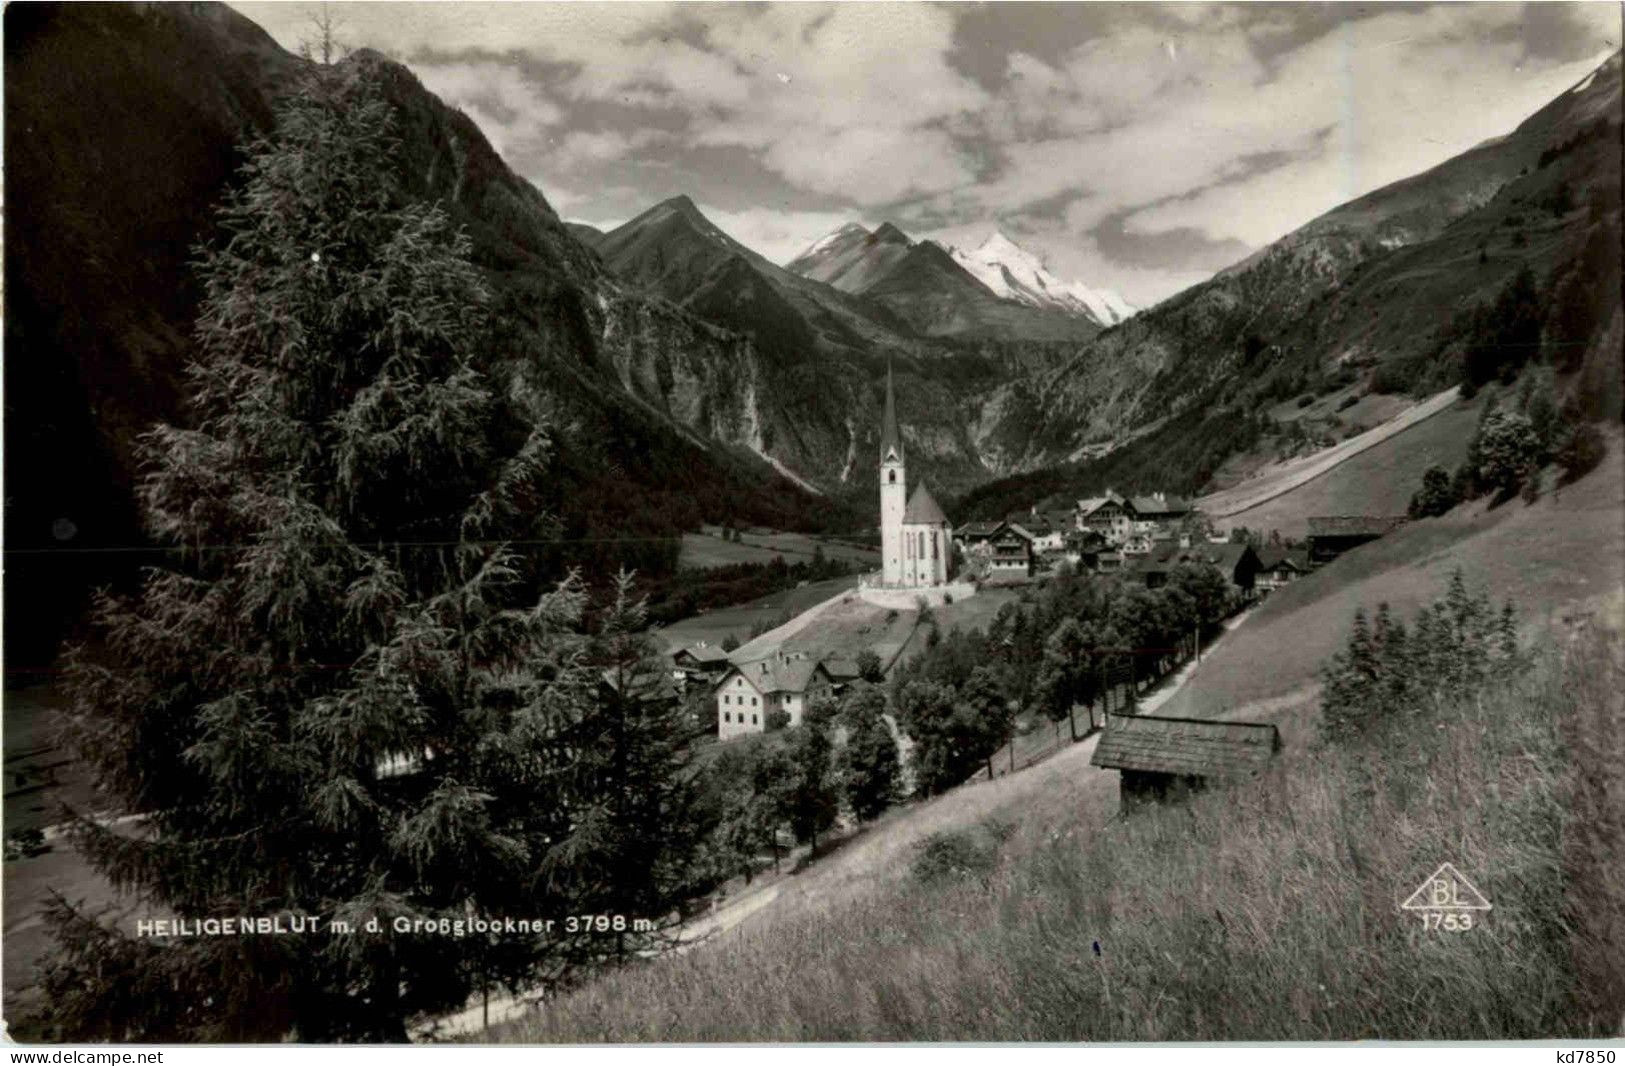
(629, 792)
(332, 700)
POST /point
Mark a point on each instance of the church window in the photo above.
(933, 547)
(892, 477)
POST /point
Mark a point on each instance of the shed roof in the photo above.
(1157, 503)
(1270, 558)
(841, 669)
(1354, 525)
(1185, 746)
(1094, 503)
(703, 652)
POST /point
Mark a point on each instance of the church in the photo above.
(915, 536)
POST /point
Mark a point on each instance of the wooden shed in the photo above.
(1166, 758)
(1332, 535)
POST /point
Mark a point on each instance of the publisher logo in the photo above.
(1447, 900)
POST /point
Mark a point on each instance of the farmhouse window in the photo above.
(726, 717)
(753, 701)
(753, 719)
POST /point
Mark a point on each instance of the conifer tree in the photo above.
(634, 822)
(332, 701)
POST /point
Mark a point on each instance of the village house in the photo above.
(1047, 536)
(783, 681)
(1012, 555)
(1161, 759)
(975, 539)
(1332, 535)
(1159, 513)
(1083, 549)
(1110, 515)
(1137, 542)
(1280, 566)
(699, 664)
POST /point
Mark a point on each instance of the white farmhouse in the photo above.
(783, 681)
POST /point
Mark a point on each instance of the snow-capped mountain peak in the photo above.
(1015, 273)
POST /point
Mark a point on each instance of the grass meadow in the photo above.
(1379, 480)
(1267, 910)
(708, 549)
(1567, 548)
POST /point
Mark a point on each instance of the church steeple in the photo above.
(891, 442)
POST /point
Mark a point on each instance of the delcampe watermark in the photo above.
(1448, 901)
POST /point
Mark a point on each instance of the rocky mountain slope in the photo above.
(938, 298)
(822, 353)
(1371, 291)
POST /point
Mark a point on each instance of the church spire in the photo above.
(891, 443)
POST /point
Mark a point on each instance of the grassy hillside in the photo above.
(1379, 480)
(1567, 548)
(975, 916)
(1269, 910)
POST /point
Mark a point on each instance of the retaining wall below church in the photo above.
(908, 599)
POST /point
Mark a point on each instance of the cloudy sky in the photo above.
(1135, 146)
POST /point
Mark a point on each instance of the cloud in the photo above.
(1386, 98)
(509, 109)
(1134, 144)
(1170, 130)
(847, 100)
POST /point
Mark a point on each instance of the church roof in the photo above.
(890, 440)
(922, 509)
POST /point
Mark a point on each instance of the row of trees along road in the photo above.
(347, 694)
